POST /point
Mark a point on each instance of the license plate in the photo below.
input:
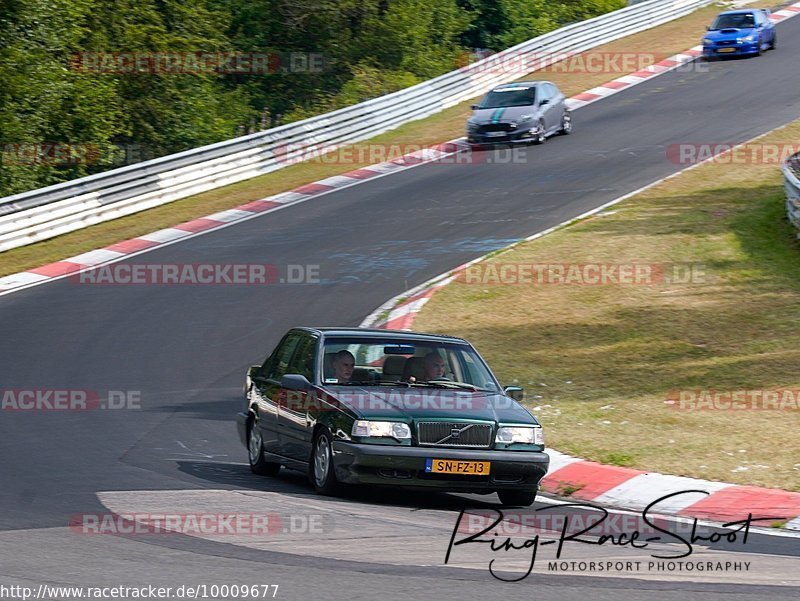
(451, 466)
(726, 50)
(496, 134)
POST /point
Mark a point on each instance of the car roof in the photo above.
(520, 84)
(380, 334)
(741, 12)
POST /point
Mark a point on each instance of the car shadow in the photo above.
(293, 483)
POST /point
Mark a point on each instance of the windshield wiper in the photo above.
(447, 384)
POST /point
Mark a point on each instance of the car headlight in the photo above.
(526, 117)
(397, 430)
(520, 434)
(707, 42)
(748, 38)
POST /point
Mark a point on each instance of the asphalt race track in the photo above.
(185, 349)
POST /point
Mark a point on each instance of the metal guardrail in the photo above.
(791, 177)
(48, 212)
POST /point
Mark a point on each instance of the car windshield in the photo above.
(735, 21)
(508, 97)
(404, 362)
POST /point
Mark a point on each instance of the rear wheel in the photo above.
(517, 498)
(323, 475)
(255, 451)
(774, 43)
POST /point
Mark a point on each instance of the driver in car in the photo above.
(343, 365)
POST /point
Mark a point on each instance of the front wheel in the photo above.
(774, 43)
(541, 134)
(566, 124)
(323, 475)
(255, 451)
(517, 498)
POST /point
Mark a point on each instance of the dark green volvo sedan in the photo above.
(382, 407)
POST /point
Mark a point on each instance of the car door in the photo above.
(554, 109)
(294, 421)
(266, 390)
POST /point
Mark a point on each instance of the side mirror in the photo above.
(544, 101)
(474, 107)
(295, 382)
(515, 392)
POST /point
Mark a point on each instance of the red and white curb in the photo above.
(122, 250)
(626, 81)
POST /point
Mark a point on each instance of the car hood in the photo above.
(421, 403)
(503, 114)
(729, 34)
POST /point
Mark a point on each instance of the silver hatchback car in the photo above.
(524, 111)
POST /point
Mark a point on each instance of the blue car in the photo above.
(740, 32)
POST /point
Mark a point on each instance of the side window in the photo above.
(552, 91)
(282, 356)
(303, 361)
(544, 93)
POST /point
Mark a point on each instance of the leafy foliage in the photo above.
(61, 119)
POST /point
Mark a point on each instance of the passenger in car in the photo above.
(434, 366)
(343, 365)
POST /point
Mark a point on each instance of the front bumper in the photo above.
(732, 50)
(405, 466)
(516, 136)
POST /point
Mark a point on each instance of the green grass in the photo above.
(599, 362)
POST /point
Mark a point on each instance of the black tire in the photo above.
(758, 46)
(541, 136)
(566, 124)
(255, 451)
(321, 470)
(517, 498)
(774, 43)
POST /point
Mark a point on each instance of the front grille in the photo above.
(441, 434)
(506, 127)
(727, 43)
